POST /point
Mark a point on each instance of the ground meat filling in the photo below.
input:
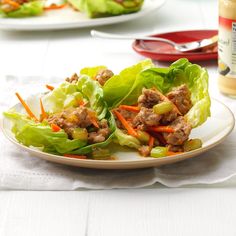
(103, 76)
(181, 134)
(181, 97)
(101, 134)
(146, 117)
(73, 79)
(80, 117)
(149, 98)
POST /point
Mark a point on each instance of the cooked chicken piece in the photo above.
(181, 97)
(149, 98)
(103, 76)
(181, 134)
(146, 117)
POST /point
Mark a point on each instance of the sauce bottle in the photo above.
(227, 47)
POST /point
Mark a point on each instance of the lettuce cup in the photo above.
(101, 8)
(74, 120)
(156, 108)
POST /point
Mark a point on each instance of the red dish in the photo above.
(165, 52)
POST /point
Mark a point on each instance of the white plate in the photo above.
(212, 132)
(68, 18)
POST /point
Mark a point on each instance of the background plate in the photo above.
(212, 132)
(68, 19)
(165, 52)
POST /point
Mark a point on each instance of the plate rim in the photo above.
(12, 24)
(109, 164)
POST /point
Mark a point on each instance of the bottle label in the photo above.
(227, 47)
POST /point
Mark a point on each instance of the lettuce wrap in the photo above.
(30, 8)
(126, 88)
(65, 98)
(101, 8)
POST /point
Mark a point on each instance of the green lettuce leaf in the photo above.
(126, 140)
(100, 8)
(91, 71)
(119, 87)
(67, 95)
(40, 135)
(32, 8)
(127, 86)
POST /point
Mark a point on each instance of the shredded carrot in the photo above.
(169, 153)
(49, 87)
(94, 122)
(75, 156)
(44, 115)
(54, 7)
(30, 113)
(81, 102)
(55, 128)
(151, 142)
(161, 128)
(130, 108)
(12, 3)
(125, 123)
(164, 98)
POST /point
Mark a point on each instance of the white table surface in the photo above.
(194, 210)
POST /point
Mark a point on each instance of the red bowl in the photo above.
(165, 52)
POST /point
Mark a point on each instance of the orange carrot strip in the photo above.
(124, 122)
(169, 153)
(44, 115)
(55, 128)
(30, 113)
(54, 7)
(130, 108)
(75, 156)
(94, 122)
(165, 129)
(151, 142)
(49, 87)
(81, 102)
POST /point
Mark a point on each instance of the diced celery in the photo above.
(80, 133)
(143, 136)
(101, 153)
(192, 144)
(159, 152)
(163, 107)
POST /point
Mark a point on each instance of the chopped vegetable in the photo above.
(75, 156)
(143, 136)
(130, 108)
(80, 133)
(55, 7)
(49, 87)
(30, 113)
(44, 115)
(124, 122)
(159, 152)
(101, 153)
(163, 107)
(55, 128)
(151, 142)
(192, 144)
(162, 129)
(170, 153)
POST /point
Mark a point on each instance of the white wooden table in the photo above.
(194, 210)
